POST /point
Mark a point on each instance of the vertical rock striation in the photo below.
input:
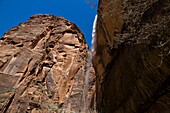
(132, 60)
(42, 66)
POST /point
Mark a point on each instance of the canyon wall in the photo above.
(43, 66)
(132, 60)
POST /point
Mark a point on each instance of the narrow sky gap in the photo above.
(80, 12)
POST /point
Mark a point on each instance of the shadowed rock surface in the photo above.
(132, 60)
(42, 67)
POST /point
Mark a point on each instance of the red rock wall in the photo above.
(42, 67)
(132, 61)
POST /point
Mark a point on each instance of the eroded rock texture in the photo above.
(132, 62)
(42, 67)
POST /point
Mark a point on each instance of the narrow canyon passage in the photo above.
(46, 65)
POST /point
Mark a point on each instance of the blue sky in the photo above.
(82, 13)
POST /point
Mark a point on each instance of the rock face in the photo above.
(42, 67)
(132, 60)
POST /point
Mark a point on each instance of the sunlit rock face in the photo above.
(42, 67)
(132, 60)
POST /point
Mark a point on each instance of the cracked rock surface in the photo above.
(42, 67)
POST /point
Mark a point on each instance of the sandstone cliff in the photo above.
(132, 60)
(42, 67)
(43, 62)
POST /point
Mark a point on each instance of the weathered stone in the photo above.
(132, 60)
(42, 67)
